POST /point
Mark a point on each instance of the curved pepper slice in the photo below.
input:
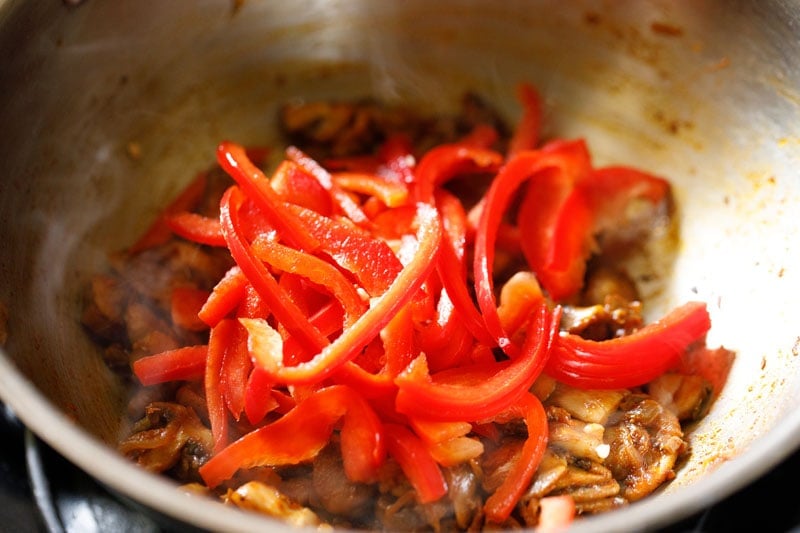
(631, 360)
(382, 310)
(370, 260)
(528, 129)
(159, 232)
(196, 228)
(259, 277)
(541, 168)
(302, 433)
(556, 222)
(416, 462)
(233, 159)
(499, 505)
(346, 204)
(315, 270)
(187, 363)
(479, 391)
(224, 297)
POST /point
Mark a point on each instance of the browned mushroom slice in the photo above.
(335, 492)
(463, 486)
(266, 499)
(645, 441)
(594, 406)
(614, 317)
(687, 397)
(169, 436)
(578, 439)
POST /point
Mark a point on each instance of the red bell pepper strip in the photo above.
(416, 462)
(339, 197)
(382, 309)
(398, 342)
(181, 364)
(159, 232)
(499, 505)
(185, 306)
(396, 154)
(233, 159)
(528, 130)
(556, 513)
(556, 222)
(391, 193)
(608, 191)
(258, 399)
(480, 391)
(452, 266)
(302, 433)
(712, 364)
(224, 297)
(446, 161)
(631, 360)
(259, 277)
(315, 270)
(234, 373)
(370, 260)
(550, 179)
(570, 245)
(481, 136)
(220, 339)
(297, 186)
(196, 228)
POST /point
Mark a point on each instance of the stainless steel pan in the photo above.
(704, 92)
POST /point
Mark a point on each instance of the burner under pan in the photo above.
(40, 491)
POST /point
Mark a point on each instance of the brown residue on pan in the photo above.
(666, 29)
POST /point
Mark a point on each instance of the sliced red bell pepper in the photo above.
(235, 372)
(182, 364)
(556, 513)
(370, 260)
(528, 131)
(550, 176)
(185, 306)
(258, 398)
(315, 270)
(308, 427)
(339, 196)
(570, 245)
(225, 297)
(480, 391)
(159, 232)
(391, 193)
(608, 191)
(396, 155)
(452, 265)
(196, 228)
(444, 162)
(631, 360)
(297, 186)
(481, 136)
(233, 159)
(555, 221)
(381, 311)
(501, 503)
(416, 462)
(221, 338)
(259, 277)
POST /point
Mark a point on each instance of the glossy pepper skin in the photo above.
(349, 309)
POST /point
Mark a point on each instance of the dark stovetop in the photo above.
(41, 492)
